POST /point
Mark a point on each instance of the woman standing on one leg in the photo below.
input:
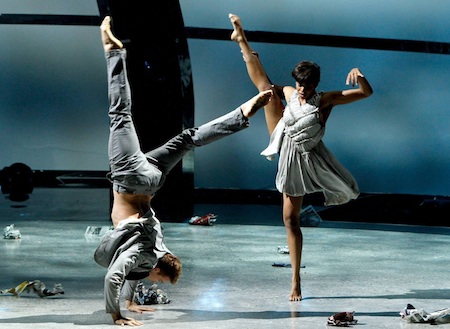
(305, 165)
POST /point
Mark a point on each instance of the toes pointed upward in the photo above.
(238, 32)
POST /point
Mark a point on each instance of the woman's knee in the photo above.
(291, 221)
(264, 85)
(291, 211)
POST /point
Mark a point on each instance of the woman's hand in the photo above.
(352, 77)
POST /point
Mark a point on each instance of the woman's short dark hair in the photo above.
(306, 72)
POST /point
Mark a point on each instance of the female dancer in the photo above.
(305, 165)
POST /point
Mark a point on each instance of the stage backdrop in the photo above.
(53, 98)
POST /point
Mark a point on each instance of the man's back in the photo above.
(129, 205)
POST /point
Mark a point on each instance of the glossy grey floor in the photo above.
(228, 279)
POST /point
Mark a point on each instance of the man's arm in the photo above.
(114, 280)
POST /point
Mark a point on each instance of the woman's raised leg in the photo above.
(274, 109)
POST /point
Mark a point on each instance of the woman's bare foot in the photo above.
(238, 33)
(109, 40)
(296, 293)
(250, 107)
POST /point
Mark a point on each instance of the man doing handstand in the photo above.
(137, 176)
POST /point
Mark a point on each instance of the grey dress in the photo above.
(305, 165)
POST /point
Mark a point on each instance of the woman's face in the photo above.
(305, 90)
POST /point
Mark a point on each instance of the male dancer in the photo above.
(137, 176)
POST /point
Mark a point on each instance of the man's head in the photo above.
(168, 269)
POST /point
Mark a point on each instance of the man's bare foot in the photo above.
(296, 293)
(238, 33)
(109, 40)
(250, 107)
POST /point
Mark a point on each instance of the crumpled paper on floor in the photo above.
(342, 319)
(205, 220)
(150, 296)
(411, 314)
(36, 287)
(10, 232)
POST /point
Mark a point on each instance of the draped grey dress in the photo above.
(305, 165)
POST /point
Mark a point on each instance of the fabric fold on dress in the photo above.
(275, 141)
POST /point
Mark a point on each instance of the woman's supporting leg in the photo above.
(274, 109)
(291, 218)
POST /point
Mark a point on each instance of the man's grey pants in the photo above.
(132, 171)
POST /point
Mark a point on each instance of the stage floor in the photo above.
(228, 279)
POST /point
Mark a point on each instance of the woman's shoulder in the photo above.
(288, 91)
